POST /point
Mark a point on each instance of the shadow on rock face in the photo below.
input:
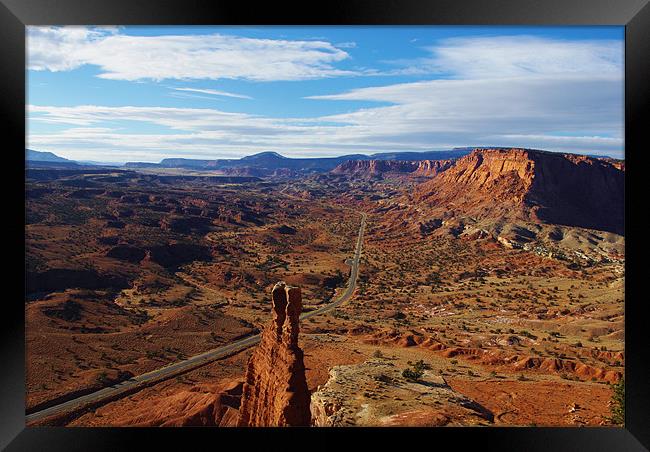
(275, 391)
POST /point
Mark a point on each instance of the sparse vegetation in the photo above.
(417, 296)
(415, 372)
(617, 407)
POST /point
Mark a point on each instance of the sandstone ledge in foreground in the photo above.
(374, 393)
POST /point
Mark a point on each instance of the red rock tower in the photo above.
(275, 392)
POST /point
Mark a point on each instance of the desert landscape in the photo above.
(484, 289)
(325, 226)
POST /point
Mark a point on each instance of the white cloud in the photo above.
(186, 119)
(515, 105)
(519, 56)
(213, 56)
(596, 145)
(60, 48)
(214, 92)
(209, 133)
(520, 91)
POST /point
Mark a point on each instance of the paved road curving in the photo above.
(155, 376)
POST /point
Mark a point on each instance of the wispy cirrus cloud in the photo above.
(213, 56)
(433, 122)
(514, 90)
(213, 92)
(543, 93)
(517, 56)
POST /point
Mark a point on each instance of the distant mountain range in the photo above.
(261, 164)
(38, 156)
(273, 161)
(47, 159)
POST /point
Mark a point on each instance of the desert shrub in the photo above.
(103, 379)
(412, 374)
(617, 408)
(415, 372)
(528, 334)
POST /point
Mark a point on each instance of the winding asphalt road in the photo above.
(134, 384)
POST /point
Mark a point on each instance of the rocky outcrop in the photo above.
(430, 168)
(275, 390)
(247, 171)
(200, 407)
(203, 405)
(375, 393)
(374, 168)
(530, 185)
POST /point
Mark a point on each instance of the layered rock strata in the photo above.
(529, 185)
(369, 168)
(275, 391)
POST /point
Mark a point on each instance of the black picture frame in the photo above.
(633, 14)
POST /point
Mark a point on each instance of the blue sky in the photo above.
(145, 93)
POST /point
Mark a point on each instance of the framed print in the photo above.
(379, 219)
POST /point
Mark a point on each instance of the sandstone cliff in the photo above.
(537, 186)
(203, 405)
(275, 391)
(430, 168)
(370, 168)
(374, 167)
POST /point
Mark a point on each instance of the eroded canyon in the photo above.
(497, 276)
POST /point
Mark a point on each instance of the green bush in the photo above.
(416, 371)
(618, 403)
(412, 375)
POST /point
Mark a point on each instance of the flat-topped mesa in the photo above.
(275, 390)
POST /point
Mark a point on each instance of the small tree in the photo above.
(617, 408)
(412, 374)
(416, 372)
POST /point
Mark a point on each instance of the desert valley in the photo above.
(479, 286)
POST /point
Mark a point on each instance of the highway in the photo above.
(155, 376)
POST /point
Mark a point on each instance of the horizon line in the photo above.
(456, 148)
